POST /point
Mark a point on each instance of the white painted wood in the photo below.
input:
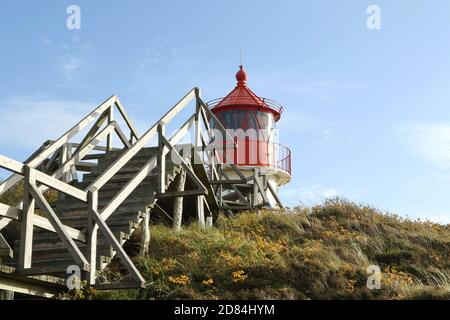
(13, 213)
(200, 209)
(92, 236)
(45, 224)
(27, 221)
(128, 188)
(6, 295)
(93, 130)
(9, 212)
(61, 186)
(127, 119)
(162, 151)
(110, 119)
(55, 145)
(58, 226)
(25, 288)
(121, 136)
(5, 249)
(118, 248)
(222, 129)
(209, 222)
(140, 143)
(145, 236)
(183, 163)
(176, 137)
(178, 201)
(11, 165)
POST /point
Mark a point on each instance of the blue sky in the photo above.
(367, 112)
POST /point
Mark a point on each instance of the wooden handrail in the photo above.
(47, 151)
(140, 143)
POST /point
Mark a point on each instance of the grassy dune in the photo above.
(310, 253)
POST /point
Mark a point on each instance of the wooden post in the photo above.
(209, 222)
(63, 157)
(145, 237)
(161, 158)
(109, 137)
(255, 198)
(6, 295)
(92, 235)
(200, 209)
(178, 201)
(26, 234)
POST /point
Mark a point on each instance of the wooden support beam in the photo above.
(128, 188)
(9, 212)
(145, 236)
(162, 151)
(26, 232)
(140, 143)
(175, 194)
(92, 235)
(12, 283)
(209, 222)
(239, 193)
(92, 132)
(275, 195)
(183, 163)
(13, 213)
(226, 134)
(121, 136)
(200, 210)
(5, 249)
(133, 131)
(260, 185)
(118, 248)
(60, 186)
(59, 227)
(158, 207)
(109, 138)
(178, 201)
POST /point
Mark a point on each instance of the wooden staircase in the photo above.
(50, 254)
(93, 218)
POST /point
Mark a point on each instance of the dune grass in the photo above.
(321, 252)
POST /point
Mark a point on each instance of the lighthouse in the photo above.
(251, 121)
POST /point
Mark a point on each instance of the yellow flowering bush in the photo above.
(180, 280)
(238, 276)
(208, 282)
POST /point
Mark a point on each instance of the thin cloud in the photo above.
(430, 141)
(28, 122)
(71, 64)
(307, 195)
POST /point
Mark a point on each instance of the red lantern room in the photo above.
(252, 120)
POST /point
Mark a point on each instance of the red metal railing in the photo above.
(243, 101)
(283, 158)
(259, 153)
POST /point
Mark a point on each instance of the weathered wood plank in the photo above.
(61, 186)
(58, 226)
(126, 118)
(27, 220)
(140, 143)
(118, 248)
(5, 249)
(128, 188)
(9, 212)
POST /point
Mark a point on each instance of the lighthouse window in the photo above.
(245, 120)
